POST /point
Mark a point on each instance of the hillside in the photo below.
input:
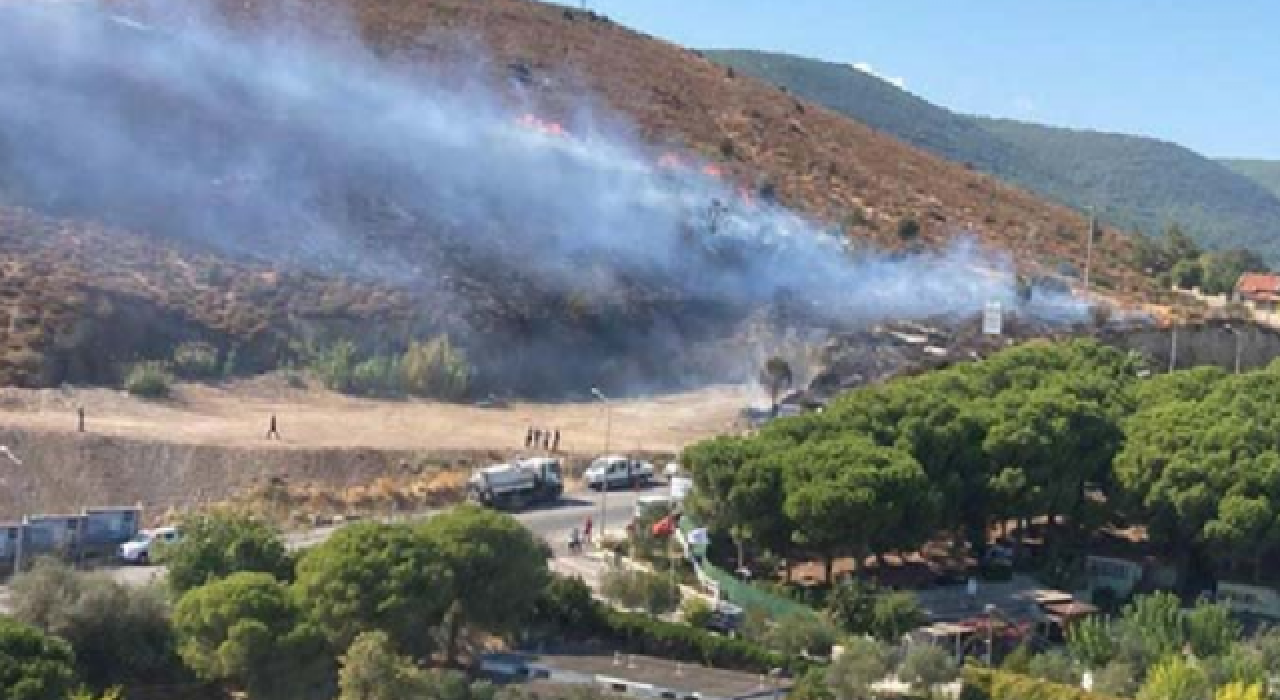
(1134, 182)
(1263, 172)
(478, 173)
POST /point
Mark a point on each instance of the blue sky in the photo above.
(1203, 73)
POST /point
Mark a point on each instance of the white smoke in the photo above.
(280, 145)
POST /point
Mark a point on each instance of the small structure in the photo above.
(1260, 292)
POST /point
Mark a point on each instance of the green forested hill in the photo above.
(1133, 182)
(1263, 172)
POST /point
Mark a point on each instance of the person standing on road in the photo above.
(586, 529)
(537, 437)
(80, 413)
(273, 431)
(555, 441)
(528, 437)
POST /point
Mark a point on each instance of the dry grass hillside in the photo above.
(78, 298)
(819, 161)
(207, 444)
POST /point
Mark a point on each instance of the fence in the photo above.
(728, 587)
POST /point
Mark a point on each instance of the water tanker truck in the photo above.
(517, 485)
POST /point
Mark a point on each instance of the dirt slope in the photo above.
(819, 161)
(207, 444)
(78, 299)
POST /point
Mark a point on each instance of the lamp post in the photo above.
(1088, 252)
(604, 479)
(1236, 332)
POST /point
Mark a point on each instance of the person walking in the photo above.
(537, 437)
(546, 439)
(528, 437)
(80, 413)
(555, 441)
(273, 430)
(586, 529)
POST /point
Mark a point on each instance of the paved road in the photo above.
(552, 523)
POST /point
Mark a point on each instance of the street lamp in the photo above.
(1236, 332)
(604, 478)
(1088, 253)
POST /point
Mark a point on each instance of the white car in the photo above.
(139, 549)
(617, 472)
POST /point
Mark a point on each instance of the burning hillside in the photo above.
(561, 251)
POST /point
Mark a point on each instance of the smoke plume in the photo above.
(282, 146)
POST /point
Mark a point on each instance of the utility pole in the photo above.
(608, 429)
(1088, 253)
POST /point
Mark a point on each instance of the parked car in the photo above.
(141, 548)
(617, 472)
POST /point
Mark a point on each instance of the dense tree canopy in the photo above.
(33, 666)
(376, 577)
(247, 630)
(498, 566)
(215, 546)
(1022, 434)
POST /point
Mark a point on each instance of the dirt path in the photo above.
(238, 415)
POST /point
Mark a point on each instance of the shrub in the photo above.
(120, 634)
(333, 365)
(895, 614)
(640, 590)
(377, 375)
(216, 546)
(640, 634)
(436, 369)
(33, 666)
(985, 684)
(697, 613)
(908, 230)
(927, 666)
(802, 633)
(149, 380)
(196, 360)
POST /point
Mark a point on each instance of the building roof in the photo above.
(1259, 284)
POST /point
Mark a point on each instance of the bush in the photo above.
(120, 634)
(927, 666)
(908, 230)
(33, 666)
(802, 633)
(149, 380)
(895, 614)
(436, 369)
(333, 365)
(640, 634)
(985, 684)
(640, 590)
(216, 546)
(379, 375)
(697, 613)
(196, 360)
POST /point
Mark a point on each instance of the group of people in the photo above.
(577, 539)
(538, 438)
